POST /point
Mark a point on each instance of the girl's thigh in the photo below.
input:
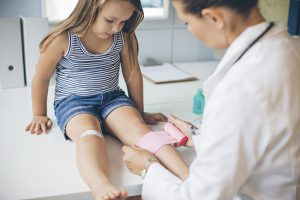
(127, 124)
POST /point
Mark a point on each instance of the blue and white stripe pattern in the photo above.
(82, 73)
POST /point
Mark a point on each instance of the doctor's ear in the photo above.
(213, 16)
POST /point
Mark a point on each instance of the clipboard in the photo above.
(166, 73)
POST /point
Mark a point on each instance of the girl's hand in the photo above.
(184, 126)
(153, 118)
(135, 158)
(39, 125)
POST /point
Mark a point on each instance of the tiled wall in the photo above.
(15, 8)
(169, 41)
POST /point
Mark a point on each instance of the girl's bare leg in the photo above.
(91, 157)
(127, 124)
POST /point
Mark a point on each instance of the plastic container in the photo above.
(199, 101)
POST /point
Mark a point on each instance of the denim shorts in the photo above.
(99, 105)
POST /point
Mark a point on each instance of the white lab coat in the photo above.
(249, 146)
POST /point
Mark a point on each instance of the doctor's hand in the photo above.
(184, 126)
(135, 158)
(39, 125)
(153, 118)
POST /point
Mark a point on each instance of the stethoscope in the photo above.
(258, 38)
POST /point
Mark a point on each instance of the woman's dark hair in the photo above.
(242, 7)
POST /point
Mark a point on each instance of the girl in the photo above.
(86, 50)
(248, 147)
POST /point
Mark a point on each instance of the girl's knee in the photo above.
(90, 135)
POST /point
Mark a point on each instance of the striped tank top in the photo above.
(82, 73)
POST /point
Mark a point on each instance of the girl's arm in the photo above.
(49, 57)
(134, 80)
(132, 73)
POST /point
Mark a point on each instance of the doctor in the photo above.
(248, 146)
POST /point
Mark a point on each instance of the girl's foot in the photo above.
(109, 192)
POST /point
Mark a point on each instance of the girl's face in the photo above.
(203, 28)
(112, 17)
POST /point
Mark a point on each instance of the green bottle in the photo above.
(199, 101)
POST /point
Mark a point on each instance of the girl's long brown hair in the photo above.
(83, 16)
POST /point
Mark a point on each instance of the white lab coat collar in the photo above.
(234, 51)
